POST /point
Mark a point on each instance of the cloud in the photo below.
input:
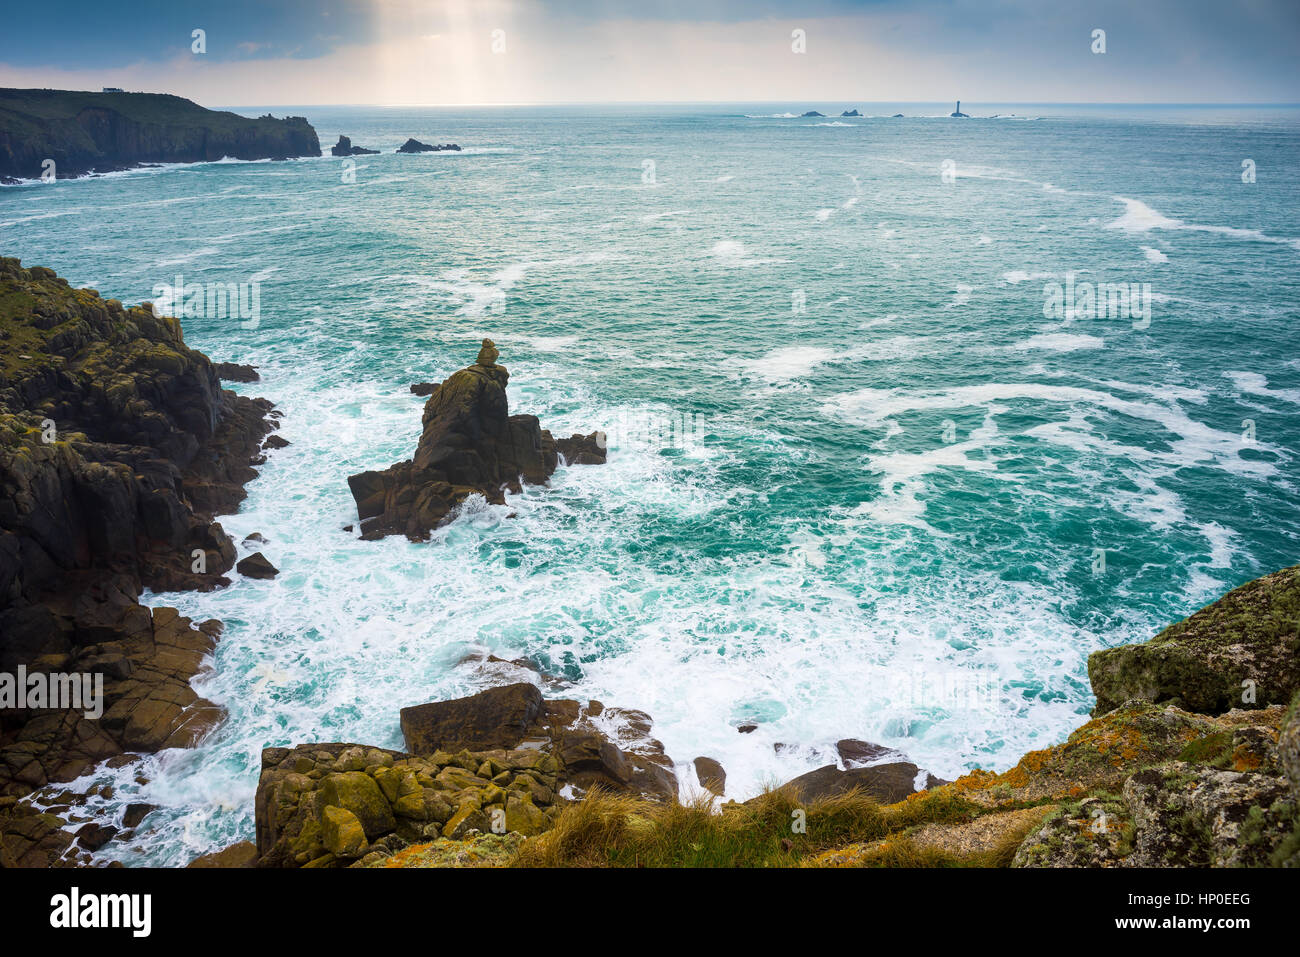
(403, 52)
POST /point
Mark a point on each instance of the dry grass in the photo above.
(614, 830)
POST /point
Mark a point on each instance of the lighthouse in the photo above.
(958, 112)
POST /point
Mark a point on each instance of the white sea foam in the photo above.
(1191, 442)
(1061, 342)
(1154, 255)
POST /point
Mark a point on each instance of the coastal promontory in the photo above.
(83, 132)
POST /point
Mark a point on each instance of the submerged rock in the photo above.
(470, 445)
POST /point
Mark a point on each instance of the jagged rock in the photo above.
(852, 112)
(813, 113)
(344, 147)
(256, 565)
(470, 444)
(712, 775)
(234, 372)
(423, 388)
(487, 355)
(1243, 649)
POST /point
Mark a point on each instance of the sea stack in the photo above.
(471, 445)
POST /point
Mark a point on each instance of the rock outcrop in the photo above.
(118, 446)
(470, 444)
(86, 132)
(1241, 651)
(502, 761)
(344, 147)
(415, 146)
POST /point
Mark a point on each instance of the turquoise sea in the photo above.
(860, 486)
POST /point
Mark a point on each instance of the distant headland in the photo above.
(68, 133)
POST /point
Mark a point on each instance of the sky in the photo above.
(453, 52)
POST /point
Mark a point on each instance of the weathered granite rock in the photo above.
(470, 444)
(496, 718)
(1240, 651)
(523, 753)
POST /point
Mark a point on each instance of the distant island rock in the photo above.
(85, 132)
(850, 113)
(898, 116)
(814, 113)
(958, 113)
(415, 146)
(344, 147)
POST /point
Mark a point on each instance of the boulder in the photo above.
(712, 775)
(242, 854)
(1240, 651)
(342, 832)
(256, 565)
(496, 718)
(887, 783)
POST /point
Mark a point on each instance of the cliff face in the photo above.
(117, 447)
(84, 132)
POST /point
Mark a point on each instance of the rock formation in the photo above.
(852, 112)
(344, 147)
(97, 132)
(1242, 650)
(117, 448)
(470, 444)
(415, 146)
(495, 761)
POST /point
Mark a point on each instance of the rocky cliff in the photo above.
(118, 446)
(470, 444)
(86, 132)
